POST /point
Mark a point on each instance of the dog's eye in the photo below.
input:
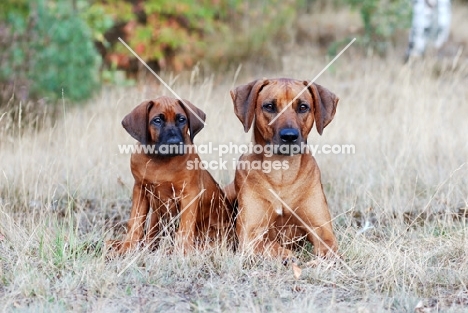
(303, 108)
(157, 121)
(269, 107)
(181, 119)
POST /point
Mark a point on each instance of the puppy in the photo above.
(168, 180)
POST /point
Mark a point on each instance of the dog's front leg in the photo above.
(253, 224)
(154, 227)
(316, 215)
(135, 229)
(185, 235)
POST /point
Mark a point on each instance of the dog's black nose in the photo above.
(289, 135)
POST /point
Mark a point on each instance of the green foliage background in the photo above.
(52, 46)
(381, 19)
(51, 50)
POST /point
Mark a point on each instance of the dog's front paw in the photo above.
(290, 260)
(119, 247)
(184, 244)
(326, 250)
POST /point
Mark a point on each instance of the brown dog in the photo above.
(168, 180)
(300, 208)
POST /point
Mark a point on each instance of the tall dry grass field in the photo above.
(400, 203)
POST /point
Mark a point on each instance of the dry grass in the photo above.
(66, 189)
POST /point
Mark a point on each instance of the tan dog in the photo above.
(168, 180)
(263, 219)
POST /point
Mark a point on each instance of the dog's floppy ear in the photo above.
(136, 122)
(325, 103)
(196, 117)
(244, 98)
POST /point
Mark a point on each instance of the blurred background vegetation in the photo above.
(55, 49)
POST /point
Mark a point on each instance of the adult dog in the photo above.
(168, 180)
(286, 203)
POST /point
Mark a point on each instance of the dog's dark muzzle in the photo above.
(171, 143)
(171, 149)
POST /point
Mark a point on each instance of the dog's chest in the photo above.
(286, 202)
(279, 209)
(164, 191)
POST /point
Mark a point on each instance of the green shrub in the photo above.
(51, 50)
(381, 19)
